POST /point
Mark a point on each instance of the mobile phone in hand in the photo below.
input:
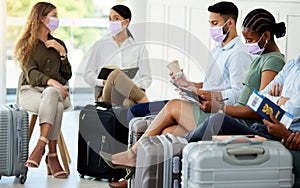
(189, 94)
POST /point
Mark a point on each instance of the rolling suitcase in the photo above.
(13, 142)
(100, 129)
(137, 127)
(158, 162)
(228, 163)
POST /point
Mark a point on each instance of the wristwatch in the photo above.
(222, 108)
(63, 56)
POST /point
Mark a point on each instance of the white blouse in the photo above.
(129, 55)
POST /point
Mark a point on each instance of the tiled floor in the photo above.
(37, 178)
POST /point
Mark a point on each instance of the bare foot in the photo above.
(125, 158)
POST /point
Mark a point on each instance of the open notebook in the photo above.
(105, 71)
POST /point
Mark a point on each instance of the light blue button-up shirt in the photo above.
(226, 69)
(289, 77)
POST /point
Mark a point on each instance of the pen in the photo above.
(222, 100)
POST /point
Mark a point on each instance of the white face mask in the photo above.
(115, 27)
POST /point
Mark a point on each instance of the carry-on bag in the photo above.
(137, 127)
(13, 142)
(158, 162)
(100, 129)
(228, 163)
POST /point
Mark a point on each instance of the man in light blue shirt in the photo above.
(226, 65)
(229, 60)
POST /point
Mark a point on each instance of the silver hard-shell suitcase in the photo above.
(230, 164)
(13, 142)
(158, 162)
(137, 127)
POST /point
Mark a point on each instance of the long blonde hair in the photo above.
(28, 39)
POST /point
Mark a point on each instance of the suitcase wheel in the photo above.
(22, 178)
(81, 175)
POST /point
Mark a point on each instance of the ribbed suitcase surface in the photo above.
(13, 141)
(159, 162)
(137, 127)
(229, 164)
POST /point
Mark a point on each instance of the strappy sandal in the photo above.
(108, 160)
(55, 174)
(36, 163)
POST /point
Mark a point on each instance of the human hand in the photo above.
(56, 45)
(276, 128)
(64, 90)
(276, 90)
(293, 141)
(210, 106)
(181, 81)
(282, 101)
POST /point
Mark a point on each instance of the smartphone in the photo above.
(189, 94)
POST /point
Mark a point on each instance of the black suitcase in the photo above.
(101, 128)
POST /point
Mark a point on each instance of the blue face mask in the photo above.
(254, 48)
(216, 33)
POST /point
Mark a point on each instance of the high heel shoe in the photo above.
(107, 157)
(34, 163)
(130, 173)
(55, 174)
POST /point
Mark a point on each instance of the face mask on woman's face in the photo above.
(216, 33)
(115, 27)
(254, 48)
(53, 23)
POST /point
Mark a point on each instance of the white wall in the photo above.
(192, 17)
(2, 51)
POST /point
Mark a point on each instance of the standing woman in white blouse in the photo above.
(120, 49)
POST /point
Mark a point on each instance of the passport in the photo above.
(264, 107)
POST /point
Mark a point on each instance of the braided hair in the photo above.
(260, 20)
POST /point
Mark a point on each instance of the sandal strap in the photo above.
(52, 154)
(59, 173)
(32, 162)
(44, 139)
(132, 152)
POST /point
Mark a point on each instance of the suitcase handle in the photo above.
(103, 105)
(246, 151)
(237, 139)
(246, 155)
